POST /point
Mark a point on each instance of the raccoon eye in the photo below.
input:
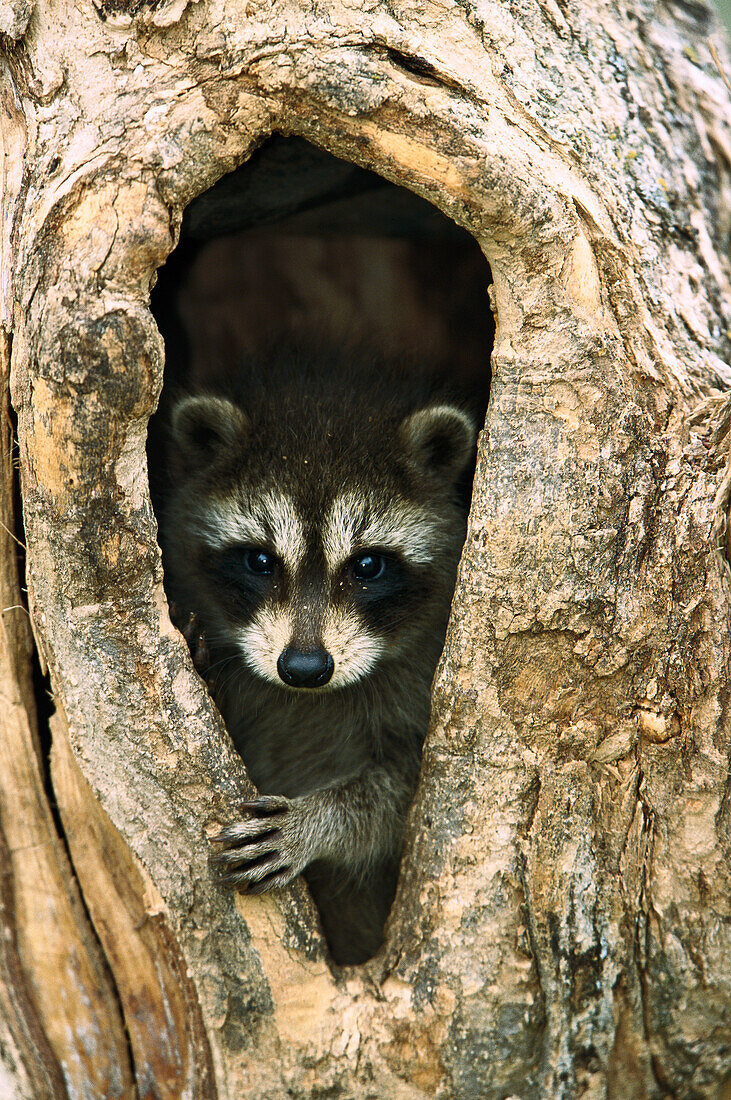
(368, 567)
(259, 562)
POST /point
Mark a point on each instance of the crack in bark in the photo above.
(419, 69)
(642, 927)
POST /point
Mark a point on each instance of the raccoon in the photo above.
(313, 525)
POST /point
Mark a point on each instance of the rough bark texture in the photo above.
(562, 923)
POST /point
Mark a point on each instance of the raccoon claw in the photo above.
(269, 882)
(261, 852)
(267, 806)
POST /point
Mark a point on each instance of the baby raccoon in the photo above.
(313, 525)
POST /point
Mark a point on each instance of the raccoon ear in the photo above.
(201, 426)
(441, 439)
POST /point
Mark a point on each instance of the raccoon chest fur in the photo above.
(313, 524)
(294, 746)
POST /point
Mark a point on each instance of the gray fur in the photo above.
(336, 766)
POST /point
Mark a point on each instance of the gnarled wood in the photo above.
(561, 927)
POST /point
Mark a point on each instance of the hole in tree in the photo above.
(312, 505)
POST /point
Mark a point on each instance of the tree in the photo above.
(562, 923)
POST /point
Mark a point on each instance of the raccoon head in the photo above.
(317, 550)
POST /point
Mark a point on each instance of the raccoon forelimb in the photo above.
(354, 825)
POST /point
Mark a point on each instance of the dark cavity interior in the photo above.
(299, 244)
(301, 247)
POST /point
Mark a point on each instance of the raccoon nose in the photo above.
(305, 670)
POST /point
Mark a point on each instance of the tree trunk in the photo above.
(562, 922)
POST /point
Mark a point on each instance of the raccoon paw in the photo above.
(264, 851)
(194, 635)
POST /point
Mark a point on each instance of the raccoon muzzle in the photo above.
(305, 669)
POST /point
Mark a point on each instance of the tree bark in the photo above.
(562, 922)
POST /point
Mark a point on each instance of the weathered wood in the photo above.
(168, 1045)
(58, 1003)
(562, 923)
(29, 1067)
